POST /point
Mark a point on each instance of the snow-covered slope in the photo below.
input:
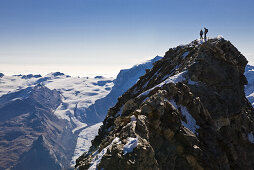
(77, 93)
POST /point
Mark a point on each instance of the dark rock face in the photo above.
(188, 112)
(26, 116)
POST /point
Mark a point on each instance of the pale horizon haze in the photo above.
(98, 37)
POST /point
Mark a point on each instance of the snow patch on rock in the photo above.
(133, 118)
(185, 54)
(172, 79)
(130, 145)
(219, 37)
(173, 103)
(251, 137)
(191, 122)
(97, 159)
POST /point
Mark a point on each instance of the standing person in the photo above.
(201, 34)
(206, 31)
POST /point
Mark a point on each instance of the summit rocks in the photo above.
(188, 112)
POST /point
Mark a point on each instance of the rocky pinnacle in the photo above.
(188, 112)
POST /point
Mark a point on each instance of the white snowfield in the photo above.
(10, 84)
(77, 93)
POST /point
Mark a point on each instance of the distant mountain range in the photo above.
(24, 116)
(43, 119)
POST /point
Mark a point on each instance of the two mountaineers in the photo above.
(203, 32)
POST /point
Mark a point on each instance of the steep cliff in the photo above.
(188, 112)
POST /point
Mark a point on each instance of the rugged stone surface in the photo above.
(188, 112)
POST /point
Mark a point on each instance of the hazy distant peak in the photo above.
(99, 77)
(1, 75)
(56, 74)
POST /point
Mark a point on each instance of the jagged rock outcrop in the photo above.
(188, 112)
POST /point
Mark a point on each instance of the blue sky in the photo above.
(113, 34)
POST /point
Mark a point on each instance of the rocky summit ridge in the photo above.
(188, 112)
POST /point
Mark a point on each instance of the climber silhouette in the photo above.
(201, 34)
(206, 31)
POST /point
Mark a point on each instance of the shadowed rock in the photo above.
(188, 112)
